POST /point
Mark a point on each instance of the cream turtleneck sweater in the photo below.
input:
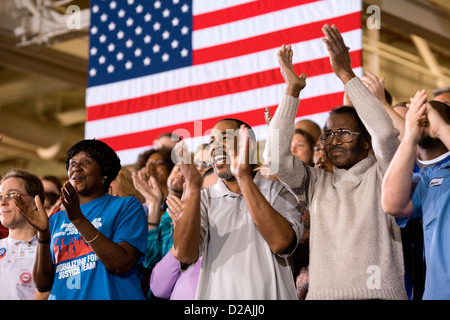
(355, 247)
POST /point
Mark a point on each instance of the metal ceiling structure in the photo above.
(43, 70)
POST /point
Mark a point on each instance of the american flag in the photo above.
(179, 66)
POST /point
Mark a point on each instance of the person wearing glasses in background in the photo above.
(202, 158)
(17, 251)
(355, 248)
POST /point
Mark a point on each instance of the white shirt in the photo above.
(237, 261)
(16, 265)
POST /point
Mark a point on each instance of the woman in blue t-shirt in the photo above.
(92, 249)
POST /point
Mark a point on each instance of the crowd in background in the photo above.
(318, 218)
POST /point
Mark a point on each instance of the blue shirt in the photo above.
(78, 273)
(431, 200)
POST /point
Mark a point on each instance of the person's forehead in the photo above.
(156, 156)
(341, 121)
(13, 184)
(223, 128)
(226, 125)
(443, 97)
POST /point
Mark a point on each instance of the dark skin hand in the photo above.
(338, 51)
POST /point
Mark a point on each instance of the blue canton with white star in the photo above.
(134, 38)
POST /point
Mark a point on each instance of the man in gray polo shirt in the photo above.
(245, 226)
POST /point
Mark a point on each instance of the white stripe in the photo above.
(208, 108)
(204, 6)
(210, 72)
(273, 21)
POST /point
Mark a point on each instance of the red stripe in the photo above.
(210, 90)
(243, 11)
(275, 39)
(253, 118)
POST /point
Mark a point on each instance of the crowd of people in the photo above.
(323, 217)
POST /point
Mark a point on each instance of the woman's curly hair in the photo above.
(105, 156)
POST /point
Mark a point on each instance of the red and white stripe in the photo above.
(235, 74)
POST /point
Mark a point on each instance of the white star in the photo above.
(146, 61)
(121, 13)
(176, 1)
(130, 2)
(129, 43)
(137, 52)
(113, 5)
(147, 39)
(138, 30)
(184, 52)
(111, 47)
(93, 51)
(185, 8)
(157, 4)
(120, 34)
(128, 65)
(130, 22)
(104, 17)
(94, 30)
(110, 68)
(148, 17)
(156, 26)
(175, 22)
(101, 60)
(184, 30)
(174, 44)
(102, 38)
(156, 48)
(139, 9)
(165, 57)
(166, 13)
(92, 72)
(95, 10)
(119, 56)
(111, 26)
(166, 35)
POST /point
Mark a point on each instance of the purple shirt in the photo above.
(167, 281)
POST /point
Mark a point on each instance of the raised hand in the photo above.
(294, 83)
(375, 85)
(150, 188)
(415, 120)
(267, 116)
(174, 205)
(436, 118)
(338, 51)
(70, 201)
(240, 166)
(191, 175)
(38, 219)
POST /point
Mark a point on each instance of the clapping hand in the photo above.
(174, 205)
(38, 219)
(241, 166)
(149, 188)
(294, 83)
(70, 201)
(415, 120)
(338, 51)
(191, 175)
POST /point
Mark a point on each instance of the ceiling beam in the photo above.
(415, 17)
(42, 60)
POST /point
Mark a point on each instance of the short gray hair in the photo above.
(441, 91)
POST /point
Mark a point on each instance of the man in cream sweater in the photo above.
(355, 248)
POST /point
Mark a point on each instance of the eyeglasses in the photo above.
(343, 135)
(203, 164)
(10, 196)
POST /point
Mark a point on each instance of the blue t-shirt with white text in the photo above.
(78, 273)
